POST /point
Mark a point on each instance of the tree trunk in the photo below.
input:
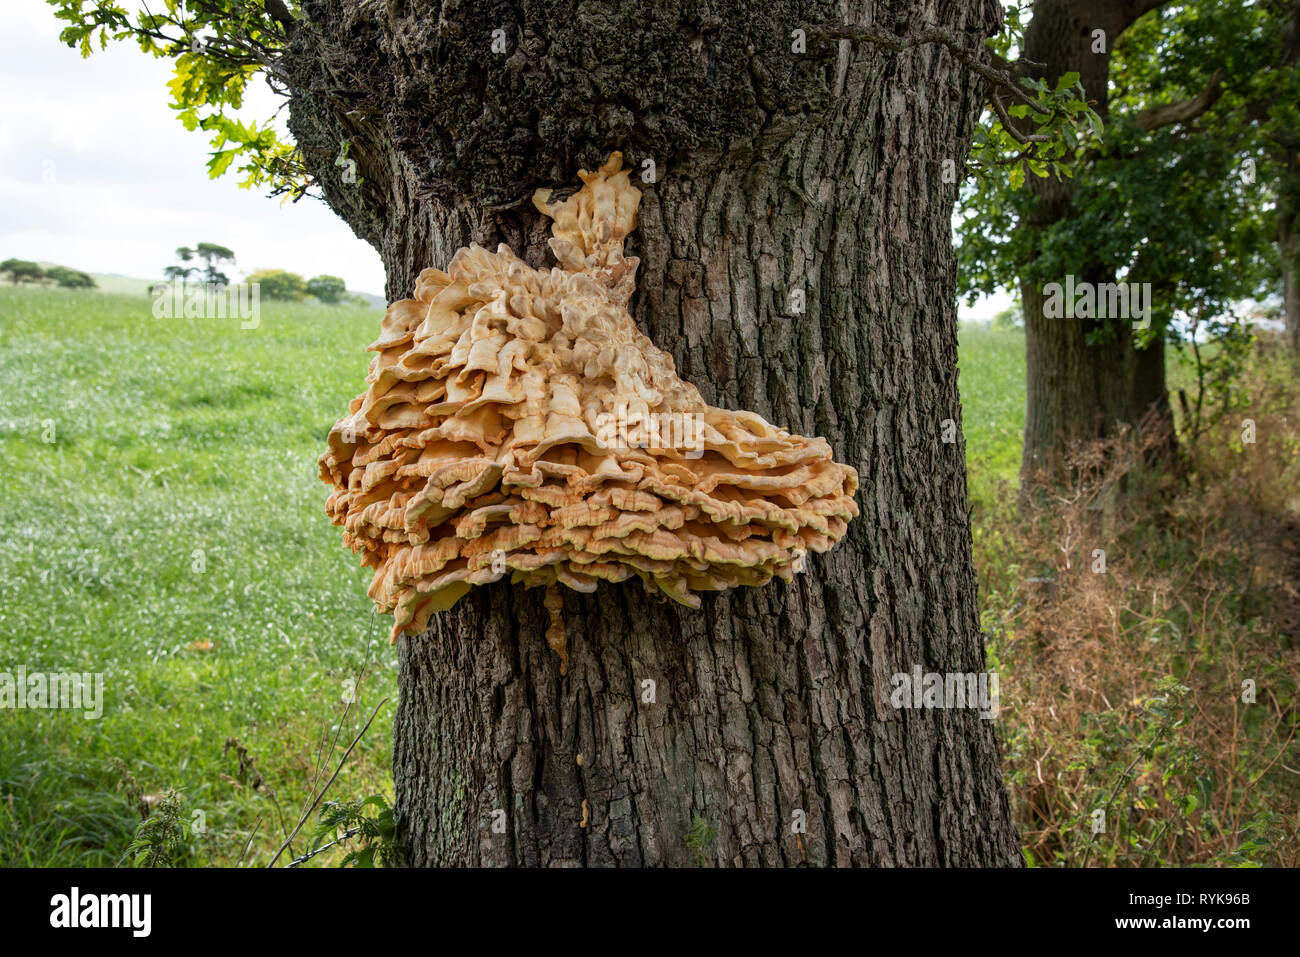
(757, 730)
(1076, 391)
(1285, 150)
(1288, 245)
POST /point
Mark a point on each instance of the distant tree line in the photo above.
(205, 260)
(282, 284)
(19, 271)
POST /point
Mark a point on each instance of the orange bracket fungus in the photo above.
(517, 423)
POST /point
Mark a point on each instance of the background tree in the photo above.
(186, 255)
(1275, 105)
(781, 150)
(328, 289)
(1218, 224)
(1156, 198)
(69, 278)
(213, 256)
(1009, 318)
(181, 273)
(21, 271)
(278, 283)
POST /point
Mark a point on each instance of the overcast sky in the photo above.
(97, 173)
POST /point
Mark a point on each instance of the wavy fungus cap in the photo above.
(517, 423)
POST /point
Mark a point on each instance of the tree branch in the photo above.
(1129, 11)
(1019, 137)
(280, 14)
(1141, 7)
(1005, 80)
(1183, 111)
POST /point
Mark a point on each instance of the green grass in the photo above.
(161, 494)
(992, 382)
(991, 378)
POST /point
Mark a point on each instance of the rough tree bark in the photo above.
(1286, 153)
(1288, 246)
(1076, 391)
(776, 171)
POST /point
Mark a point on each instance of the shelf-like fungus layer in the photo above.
(517, 423)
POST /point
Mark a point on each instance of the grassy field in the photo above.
(992, 384)
(993, 404)
(163, 525)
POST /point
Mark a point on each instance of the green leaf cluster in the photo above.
(217, 47)
(1189, 207)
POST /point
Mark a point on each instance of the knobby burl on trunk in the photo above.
(758, 729)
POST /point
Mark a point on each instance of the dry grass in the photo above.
(1125, 687)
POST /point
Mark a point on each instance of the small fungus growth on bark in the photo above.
(516, 422)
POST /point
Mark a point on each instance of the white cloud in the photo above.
(97, 173)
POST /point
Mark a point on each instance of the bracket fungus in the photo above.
(516, 422)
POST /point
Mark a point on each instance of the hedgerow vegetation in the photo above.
(1155, 683)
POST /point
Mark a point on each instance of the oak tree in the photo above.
(796, 260)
